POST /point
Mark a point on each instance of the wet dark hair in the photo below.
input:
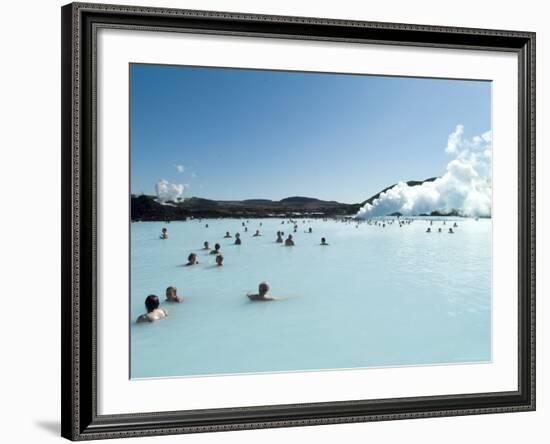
(217, 246)
(191, 256)
(323, 240)
(151, 303)
(164, 229)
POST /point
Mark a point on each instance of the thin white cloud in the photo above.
(180, 168)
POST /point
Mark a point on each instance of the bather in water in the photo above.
(154, 313)
(219, 260)
(216, 249)
(206, 246)
(256, 234)
(227, 235)
(164, 234)
(192, 259)
(324, 241)
(263, 288)
(279, 238)
(238, 239)
(172, 295)
(289, 242)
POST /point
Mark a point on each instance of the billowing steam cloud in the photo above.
(465, 187)
(167, 191)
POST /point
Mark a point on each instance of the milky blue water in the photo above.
(374, 297)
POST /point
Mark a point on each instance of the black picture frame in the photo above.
(80, 420)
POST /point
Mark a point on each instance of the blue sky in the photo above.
(242, 134)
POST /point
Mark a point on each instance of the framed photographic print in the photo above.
(279, 221)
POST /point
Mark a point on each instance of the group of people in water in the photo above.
(152, 302)
(156, 313)
(440, 230)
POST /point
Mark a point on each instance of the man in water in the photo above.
(323, 241)
(164, 234)
(429, 230)
(216, 249)
(451, 231)
(154, 313)
(256, 234)
(227, 235)
(192, 259)
(263, 288)
(206, 246)
(219, 260)
(237, 239)
(289, 242)
(279, 238)
(171, 295)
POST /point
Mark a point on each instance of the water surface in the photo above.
(374, 297)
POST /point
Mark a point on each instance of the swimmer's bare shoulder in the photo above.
(156, 315)
(177, 299)
(143, 318)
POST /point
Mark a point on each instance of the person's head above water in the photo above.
(219, 260)
(151, 303)
(263, 288)
(164, 230)
(217, 247)
(323, 241)
(206, 245)
(172, 294)
(192, 258)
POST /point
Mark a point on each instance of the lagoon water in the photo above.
(375, 297)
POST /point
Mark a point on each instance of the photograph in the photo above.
(301, 221)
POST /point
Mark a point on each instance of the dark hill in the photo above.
(146, 208)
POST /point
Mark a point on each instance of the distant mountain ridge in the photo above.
(147, 208)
